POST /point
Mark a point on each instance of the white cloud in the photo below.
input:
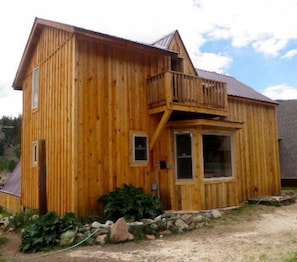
(266, 26)
(213, 62)
(270, 46)
(290, 54)
(281, 91)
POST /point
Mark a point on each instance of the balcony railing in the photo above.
(174, 88)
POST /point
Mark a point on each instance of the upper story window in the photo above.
(35, 87)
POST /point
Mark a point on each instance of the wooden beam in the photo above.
(160, 127)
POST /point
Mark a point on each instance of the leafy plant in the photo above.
(131, 203)
(23, 219)
(45, 232)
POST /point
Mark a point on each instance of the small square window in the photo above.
(139, 148)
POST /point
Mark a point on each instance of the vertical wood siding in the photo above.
(10, 202)
(255, 157)
(111, 103)
(50, 121)
(92, 96)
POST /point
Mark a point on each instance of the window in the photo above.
(140, 148)
(35, 153)
(217, 155)
(183, 154)
(35, 88)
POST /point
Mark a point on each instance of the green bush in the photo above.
(45, 232)
(23, 219)
(131, 203)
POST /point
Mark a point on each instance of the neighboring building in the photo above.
(100, 111)
(287, 126)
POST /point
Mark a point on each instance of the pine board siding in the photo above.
(111, 103)
(12, 203)
(51, 119)
(94, 96)
(258, 163)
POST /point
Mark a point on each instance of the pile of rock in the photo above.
(150, 229)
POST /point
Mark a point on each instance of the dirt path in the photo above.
(260, 233)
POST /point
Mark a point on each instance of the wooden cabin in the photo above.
(100, 111)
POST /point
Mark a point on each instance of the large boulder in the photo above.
(119, 231)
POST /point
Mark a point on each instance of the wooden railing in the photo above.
(177, 88)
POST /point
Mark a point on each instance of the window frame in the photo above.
(134, 161)
(232, 152)
(35, 153)
(191, 134)
(35, 88)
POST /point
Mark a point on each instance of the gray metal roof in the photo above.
(235, 87)
(287, 126)
(13, 184)
(165, 41)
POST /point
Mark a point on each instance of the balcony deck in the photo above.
(180, 92)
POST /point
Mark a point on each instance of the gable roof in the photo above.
(234, 87)
(40, 23)
(165, 41)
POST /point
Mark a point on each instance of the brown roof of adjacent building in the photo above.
(235, 87)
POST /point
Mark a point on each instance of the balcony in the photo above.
(179, 92)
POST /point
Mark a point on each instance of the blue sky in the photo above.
(254, 41)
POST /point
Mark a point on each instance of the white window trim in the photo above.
(231, 135)
(133, 161)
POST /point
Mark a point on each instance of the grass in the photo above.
(293, 257)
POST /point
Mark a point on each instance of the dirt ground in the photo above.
(257, 233)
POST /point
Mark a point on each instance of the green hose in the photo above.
(64, 249)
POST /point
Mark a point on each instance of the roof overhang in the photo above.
(39, 24)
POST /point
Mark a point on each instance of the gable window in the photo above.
(217, 155)
(35, 88)
(183, 155)
(140, 148)
(34, 153)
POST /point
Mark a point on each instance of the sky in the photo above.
(254, 41)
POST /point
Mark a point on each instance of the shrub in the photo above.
(131, 203)
(45, 232)
(23, 219)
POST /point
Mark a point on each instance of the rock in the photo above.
(181, 225)
(216, 213)
(96, 224)
(4, 222)
(169, 224)
(67, 238)
(109, 223)
(158, 218)
(165, 232)
(187, 218)
(119, 231)
(101, 239)
(130, 237)
(198, 219)
(154, 226)
(150, 237)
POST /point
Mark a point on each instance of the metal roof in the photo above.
(235, 87)
(165, 41)
(13, 184)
